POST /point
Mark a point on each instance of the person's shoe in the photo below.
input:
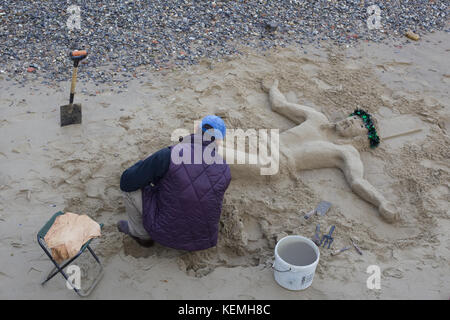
(122, 226)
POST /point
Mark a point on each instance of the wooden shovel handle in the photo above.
(74, 80)
(76, 56)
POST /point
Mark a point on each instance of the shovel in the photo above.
(71, 113)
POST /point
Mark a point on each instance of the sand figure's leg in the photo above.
(353, 170)
(323, 154)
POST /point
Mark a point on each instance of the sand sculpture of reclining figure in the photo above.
(309, 145)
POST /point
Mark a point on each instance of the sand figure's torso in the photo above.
(310, 146)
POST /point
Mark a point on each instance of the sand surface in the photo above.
(45, 168)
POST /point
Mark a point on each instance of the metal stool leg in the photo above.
(88, 291)
(93, 254)
(60, 268)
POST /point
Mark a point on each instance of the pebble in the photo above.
(413, 36)
(122, 35)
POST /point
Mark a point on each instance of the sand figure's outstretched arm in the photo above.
(296, 112)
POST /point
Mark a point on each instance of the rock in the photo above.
(271, 26)
(413, 36)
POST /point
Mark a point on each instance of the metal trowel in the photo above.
(321, 209)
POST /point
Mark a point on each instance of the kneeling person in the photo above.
(178, 204)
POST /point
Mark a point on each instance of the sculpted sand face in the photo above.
(350, 127)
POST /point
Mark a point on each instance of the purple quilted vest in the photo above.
(182, 211)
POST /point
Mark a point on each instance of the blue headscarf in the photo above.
(217, 124)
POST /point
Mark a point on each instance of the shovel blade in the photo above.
(70, 114)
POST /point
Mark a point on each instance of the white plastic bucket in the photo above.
(296, 259)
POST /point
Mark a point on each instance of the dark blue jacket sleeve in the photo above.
(147, 171)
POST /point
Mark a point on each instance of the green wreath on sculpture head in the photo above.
(374, 139)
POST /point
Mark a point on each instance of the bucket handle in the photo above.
(273, 267)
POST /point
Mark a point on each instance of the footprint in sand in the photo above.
(22, 148)
(132, 248)
(21, 103)
(393, 273)
(123, 122)
(3, 123)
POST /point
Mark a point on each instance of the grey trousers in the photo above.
(133, 207)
